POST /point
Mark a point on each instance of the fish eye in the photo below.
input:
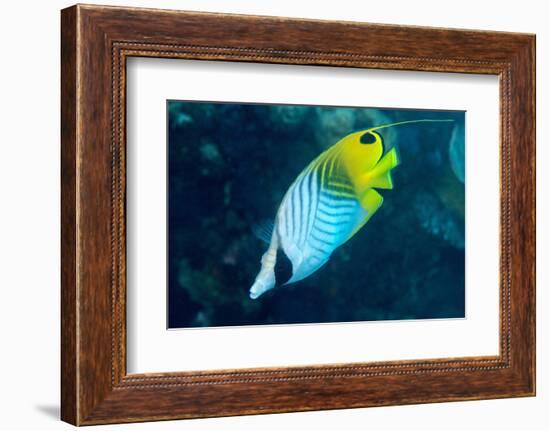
(367, 138)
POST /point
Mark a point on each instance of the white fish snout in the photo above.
(258, 288)
(254, 292)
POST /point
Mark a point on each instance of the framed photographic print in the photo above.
(284, 220)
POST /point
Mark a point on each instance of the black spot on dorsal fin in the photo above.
(283, 268)
(367, 138)
(370, 138)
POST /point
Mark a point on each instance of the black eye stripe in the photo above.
(283, 268)
(367, 138)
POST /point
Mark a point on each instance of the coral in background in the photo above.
(457, 154)
(229, 167)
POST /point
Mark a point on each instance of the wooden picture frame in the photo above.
(96, 41)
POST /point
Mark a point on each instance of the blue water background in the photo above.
(229, 166)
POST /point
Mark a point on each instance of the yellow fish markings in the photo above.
(330, 200)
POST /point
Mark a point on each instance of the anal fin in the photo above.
(371, 201)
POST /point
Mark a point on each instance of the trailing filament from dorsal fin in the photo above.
(399, 123)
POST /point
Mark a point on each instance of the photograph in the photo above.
(235, 215)
(300, 214)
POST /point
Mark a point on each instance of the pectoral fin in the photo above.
(263, 230)
(382, 181)
(389, 161)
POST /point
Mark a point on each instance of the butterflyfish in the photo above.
(326, 205)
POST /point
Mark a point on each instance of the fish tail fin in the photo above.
(382, 181)
(380, 176)
(389, 160)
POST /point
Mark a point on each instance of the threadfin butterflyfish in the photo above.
(326, 205)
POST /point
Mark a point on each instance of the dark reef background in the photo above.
(229, 166)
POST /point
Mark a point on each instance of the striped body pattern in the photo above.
(330, 200)
(317, 215)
